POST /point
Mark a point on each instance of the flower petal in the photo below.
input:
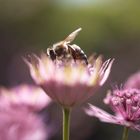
(137, 127)
(102, 115)
(106, 72)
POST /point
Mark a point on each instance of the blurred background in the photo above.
(110, 27)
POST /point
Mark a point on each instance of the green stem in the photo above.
(66, 123)
(125, 133)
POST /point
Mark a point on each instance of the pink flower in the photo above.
(125, 104)
(24, 96)
(19, 124)
(133, 81)
(70, 83)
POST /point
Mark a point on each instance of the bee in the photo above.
(63, 49)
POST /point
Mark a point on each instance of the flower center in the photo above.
(126, 103)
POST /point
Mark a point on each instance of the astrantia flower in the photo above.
(69, 83)
(133, 81)
(65, 78)
(125, 104)
(18, 120)
(24, 96)
(19, 124)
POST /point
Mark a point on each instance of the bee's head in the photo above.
(51, 53)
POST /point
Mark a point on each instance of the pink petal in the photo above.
(136, 127)
(102, 115)
(106, 73)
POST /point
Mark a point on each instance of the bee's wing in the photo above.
(72, 36)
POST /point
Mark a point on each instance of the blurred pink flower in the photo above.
(24, 96)
(133, 81)
(69, 83)
(125, 104)
(19, 124)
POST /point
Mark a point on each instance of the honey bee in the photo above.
(63, 49)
